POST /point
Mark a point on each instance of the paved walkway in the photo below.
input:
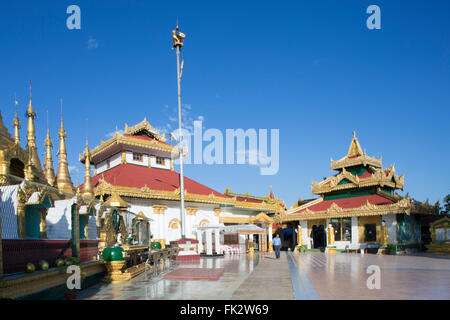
(345, 276)
(271, 280)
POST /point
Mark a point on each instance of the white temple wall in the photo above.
(8, 207)
(114, 160)
(153, 163)
(355, 234)
(160, 224)
(129, 159)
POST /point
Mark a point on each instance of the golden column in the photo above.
(31, 137)
(269, 233)
(49, 173)
(63, 181)
(43, 223)
(87, 191)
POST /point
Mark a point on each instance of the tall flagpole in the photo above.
(178, 38)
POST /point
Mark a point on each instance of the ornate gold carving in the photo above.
(368, 209)
(174, 223)
(63, 180)
(158, 209)
(381, 177)
(48, 162)
(217, 212)
(191, 211)
(87, 190)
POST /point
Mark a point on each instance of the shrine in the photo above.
(358, 209)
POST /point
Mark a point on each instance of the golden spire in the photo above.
(49, 173)
(87, 191)
(63, 181)
(31, 136)
(355, 149)
(16, 123)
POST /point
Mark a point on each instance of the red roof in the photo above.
(349, 203)
(129, 175)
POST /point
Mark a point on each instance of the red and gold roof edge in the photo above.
(335, 211)
(129, 141)
(381, 177)
(145, 192)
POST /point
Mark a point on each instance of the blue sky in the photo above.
(309, 68)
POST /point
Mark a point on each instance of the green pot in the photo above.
(113, 254)
(156, 245)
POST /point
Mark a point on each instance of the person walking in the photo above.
(277, 246)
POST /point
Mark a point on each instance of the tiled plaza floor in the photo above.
(237, 268)
(311, 275)
(319, 275)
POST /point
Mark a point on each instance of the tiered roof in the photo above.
(136, 181)
(361, 187)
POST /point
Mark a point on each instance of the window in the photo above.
(137, 157)
(161, 161)
(370, 232)
(342, 229)
(231, 238)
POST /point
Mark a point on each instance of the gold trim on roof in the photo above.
(334, 211)
(129, 141)
(379, 177)
(144, 125)
(355, 156)
(147, 193)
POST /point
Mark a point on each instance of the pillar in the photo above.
(270, 238)
(200, 241)
(299, 235)
(43, 224)
(208, 241)
(217, 240)
(250, 243)
(75, 231)
(21, 222)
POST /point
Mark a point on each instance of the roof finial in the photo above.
(48, 162)
(63, 180)
(16, 122)
(354, 134)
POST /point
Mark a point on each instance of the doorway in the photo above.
(318, 236)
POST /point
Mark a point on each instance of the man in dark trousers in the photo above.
(277, 246)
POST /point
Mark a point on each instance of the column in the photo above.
(355, 230)
(208, 242)
(21, 223)
(299, 235)
(250, 243)
(270, 238)
(43, 223)
(217, 240)
(200, 240)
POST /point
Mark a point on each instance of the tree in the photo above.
(446, 208)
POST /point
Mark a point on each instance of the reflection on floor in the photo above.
(344, 276)
(236, 270)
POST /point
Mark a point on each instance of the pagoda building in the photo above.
(358, 207)
(137, 168)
